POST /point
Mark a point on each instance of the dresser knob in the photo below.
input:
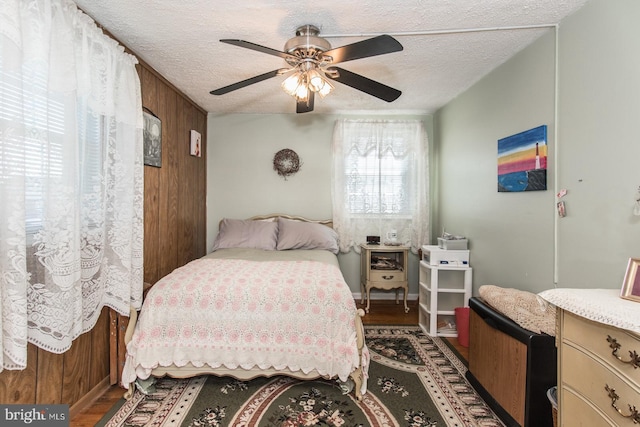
(634, 415)
(634, 358)
(387, 277)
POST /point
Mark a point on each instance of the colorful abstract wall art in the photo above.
(522, 161)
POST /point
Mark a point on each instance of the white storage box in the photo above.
(455, 244)
(435, 255)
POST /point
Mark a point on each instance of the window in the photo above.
(380, 177)
(71, 178)
(25, 153)
(377, 182)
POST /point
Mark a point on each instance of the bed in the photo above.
(269, 300)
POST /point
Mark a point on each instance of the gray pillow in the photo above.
(239, 233)
(306, 235)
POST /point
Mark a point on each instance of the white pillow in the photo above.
(238, 233)
(306, 235)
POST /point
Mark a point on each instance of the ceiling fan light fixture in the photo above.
(325, 89)
(291, 83)
(301, 83)
(316, 80)
(302, 91)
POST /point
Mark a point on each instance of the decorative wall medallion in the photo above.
(286, 162)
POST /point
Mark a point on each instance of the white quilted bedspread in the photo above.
(235, 313)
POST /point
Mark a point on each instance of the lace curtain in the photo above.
(380, 182)
(71, 177)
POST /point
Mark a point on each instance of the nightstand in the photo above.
(383, 267)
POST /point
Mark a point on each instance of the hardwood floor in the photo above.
(93, 414)
(386, 312)
(382, 312)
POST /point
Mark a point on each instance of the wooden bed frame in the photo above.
(189, 370)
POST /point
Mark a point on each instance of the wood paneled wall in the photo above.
(174, 234)
(175, 194)
(61, 378)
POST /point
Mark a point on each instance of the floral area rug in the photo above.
(414, 380)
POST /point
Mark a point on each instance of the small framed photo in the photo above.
(631, 284)
(196, 143)
(152, 135)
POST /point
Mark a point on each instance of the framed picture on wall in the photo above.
(196, 143)
(631, 283)
(152, 135)
(522, 161)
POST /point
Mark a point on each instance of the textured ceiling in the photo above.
(443, 53)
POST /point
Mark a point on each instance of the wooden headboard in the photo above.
(327, 222)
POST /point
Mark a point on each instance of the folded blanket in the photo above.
(528, 310)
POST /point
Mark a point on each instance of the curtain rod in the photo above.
(437, 32)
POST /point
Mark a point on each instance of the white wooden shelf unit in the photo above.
(439, 298)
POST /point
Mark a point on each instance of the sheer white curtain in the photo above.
(380, 181)
(71, 177)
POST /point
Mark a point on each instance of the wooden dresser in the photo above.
(599, 364)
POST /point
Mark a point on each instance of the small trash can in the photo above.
(462, 324)
(552, 394)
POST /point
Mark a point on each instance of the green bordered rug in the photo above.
(414, 380)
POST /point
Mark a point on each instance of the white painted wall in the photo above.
(599, 147)
(510, 234)
(517, 239)
(241, 181)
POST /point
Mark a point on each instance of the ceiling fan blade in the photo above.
(258, 47)
(371, 47)
(305, 106)
(356, 81)
(247, 82)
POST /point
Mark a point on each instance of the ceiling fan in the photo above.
(311, 62)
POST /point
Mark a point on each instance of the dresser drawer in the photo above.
(593, 337)
(576, 412)
(387, 276)
(588, 377)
